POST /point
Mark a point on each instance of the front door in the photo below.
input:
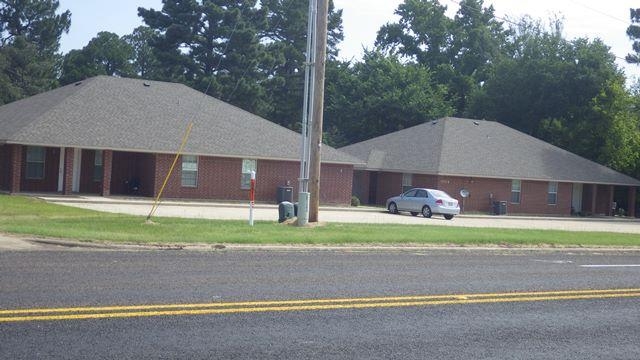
(373, 188)
(576, 199)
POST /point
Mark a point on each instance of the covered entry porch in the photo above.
(63, 170)
(604, 200)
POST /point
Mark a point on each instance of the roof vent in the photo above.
(78, 83)
(476, 123)
(146, 84)
(434, 122)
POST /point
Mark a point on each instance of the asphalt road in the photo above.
(495, 328)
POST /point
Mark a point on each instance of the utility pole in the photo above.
(307, 116)
(316, 128)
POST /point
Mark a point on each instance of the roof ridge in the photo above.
(440, 138)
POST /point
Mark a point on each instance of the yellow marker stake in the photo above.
(166, 179)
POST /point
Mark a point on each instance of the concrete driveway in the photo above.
(368, 215)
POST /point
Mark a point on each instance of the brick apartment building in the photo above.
(107, 135)
(494, 164)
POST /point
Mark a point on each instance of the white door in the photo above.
(576, 199)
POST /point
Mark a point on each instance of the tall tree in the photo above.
(460, 51)
(378, 96)
(286, 39)
(633, 32)
(105, 54)
(422, 34)
(569, 93)
(213, 45)
(478, 41)
(30, 33)
(145, 63)
(34, 20)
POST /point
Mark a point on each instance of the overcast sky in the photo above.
(606, 20)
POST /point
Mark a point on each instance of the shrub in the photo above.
(355, 201)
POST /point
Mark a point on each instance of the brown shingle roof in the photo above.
(150, 116)
(465, 147)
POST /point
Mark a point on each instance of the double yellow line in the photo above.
(102, 312)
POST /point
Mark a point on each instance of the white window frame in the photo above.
(40, 162)
(516, 188)
(248, 165)
(189, 166)
(407, 182)
(552, 190)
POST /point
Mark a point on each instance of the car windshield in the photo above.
(440, 194)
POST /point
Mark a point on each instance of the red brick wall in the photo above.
(482, 192)
(389, 184)
(68, 171)
(51, 165)
(427, 181)
(107, 162)
(533, 195)
(220, 179)
(336, 182)
(5, 171)
(270, 175)
(15, 178)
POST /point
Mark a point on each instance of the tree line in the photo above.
(523, 73)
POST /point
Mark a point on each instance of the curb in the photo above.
(302, 248)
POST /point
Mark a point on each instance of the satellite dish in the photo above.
(464, 193)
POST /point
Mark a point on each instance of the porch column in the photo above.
(594, 197)
(611, 191)
(68, 171)
(15, 166)
(107, 161)
(632, 201)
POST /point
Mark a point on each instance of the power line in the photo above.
(516, 24)
(600, 12)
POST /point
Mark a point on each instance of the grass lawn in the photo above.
(29, 216)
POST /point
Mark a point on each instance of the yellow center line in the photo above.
(78, 313)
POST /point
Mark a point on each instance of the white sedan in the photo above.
(425, 201)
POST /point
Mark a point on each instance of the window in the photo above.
(516, 186)
(411, 193)
(552, 196)
(407, 182)
(247, 167)
(97, 166)
(189, 171)
(35, 162)
(421, 193)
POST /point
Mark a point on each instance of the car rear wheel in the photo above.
(426, 212)
(448, 216)
(393, 208)
(414, 213)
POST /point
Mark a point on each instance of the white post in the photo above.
(252, 197)
(61, 171)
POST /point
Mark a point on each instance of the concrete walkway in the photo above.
(367, 215)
